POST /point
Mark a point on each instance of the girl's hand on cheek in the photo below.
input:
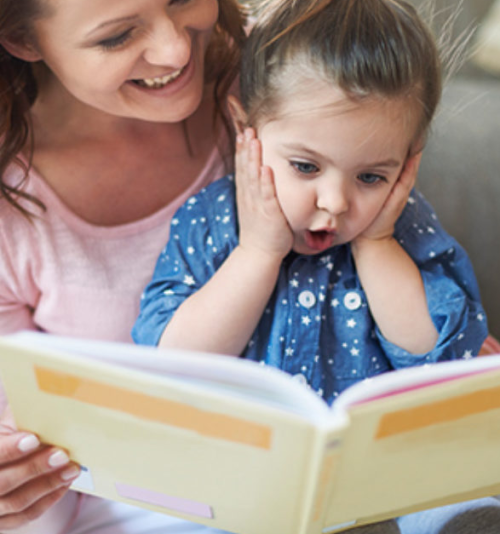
(263, 226)
(383, 225)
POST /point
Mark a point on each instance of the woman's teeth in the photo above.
(158, 83)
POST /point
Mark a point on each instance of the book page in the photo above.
(217, 373)
(411, 378)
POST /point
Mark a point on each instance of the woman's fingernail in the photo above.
(70, 473)
(58, 458)
(28, 443)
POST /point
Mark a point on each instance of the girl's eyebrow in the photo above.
(302, 148)
(385, 163)
(111, 23)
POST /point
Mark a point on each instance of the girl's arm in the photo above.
(224, 313)
(390, 278)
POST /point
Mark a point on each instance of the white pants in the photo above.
(98, 516)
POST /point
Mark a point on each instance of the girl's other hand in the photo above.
(383, 225)
(33, 477)
(263, 227)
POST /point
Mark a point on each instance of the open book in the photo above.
(246, 448)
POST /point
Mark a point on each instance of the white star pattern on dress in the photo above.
(326, 280)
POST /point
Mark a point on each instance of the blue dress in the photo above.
(317, 324)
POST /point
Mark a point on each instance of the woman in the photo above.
(111, 115)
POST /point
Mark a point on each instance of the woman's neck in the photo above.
(89, 157)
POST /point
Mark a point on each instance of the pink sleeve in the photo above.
(15, 297)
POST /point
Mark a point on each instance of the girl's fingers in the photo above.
(267, 188)
(410, 170)
(248, 163)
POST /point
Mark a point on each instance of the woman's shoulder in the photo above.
(25, 204)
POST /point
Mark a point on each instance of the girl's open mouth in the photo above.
(319, 239)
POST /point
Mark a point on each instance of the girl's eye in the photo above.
(116, 41)
(304, 167)
(370, 179)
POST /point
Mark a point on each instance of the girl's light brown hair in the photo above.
(18, 88)
(367, 48)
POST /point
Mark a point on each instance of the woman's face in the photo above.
(140, 59)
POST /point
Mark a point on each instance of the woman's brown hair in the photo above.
(18, 88)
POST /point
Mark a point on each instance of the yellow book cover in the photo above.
(246, 448)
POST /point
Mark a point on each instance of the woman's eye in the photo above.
(369, 178)
(116, 41)
(304, 167)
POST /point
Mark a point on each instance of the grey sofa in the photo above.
(460, 176)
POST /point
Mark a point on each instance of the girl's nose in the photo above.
(333, 198)
(168, 45)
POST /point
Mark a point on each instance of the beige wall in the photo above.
(470, 14)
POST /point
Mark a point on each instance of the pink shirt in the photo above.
(65, 276)
(60, 274)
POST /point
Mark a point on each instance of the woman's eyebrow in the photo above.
(111, 23)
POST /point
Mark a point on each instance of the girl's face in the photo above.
(334, 161)
(132, 58)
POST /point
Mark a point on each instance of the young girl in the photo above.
(319, 257)
(333, 267)
(110, 117)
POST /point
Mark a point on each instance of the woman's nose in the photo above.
(168, 45)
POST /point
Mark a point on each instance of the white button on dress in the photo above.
(307, 299)
(352, 301)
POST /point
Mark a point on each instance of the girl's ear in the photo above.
(21, 49)
(238, 114)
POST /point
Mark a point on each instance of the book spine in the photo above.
(325, 456)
